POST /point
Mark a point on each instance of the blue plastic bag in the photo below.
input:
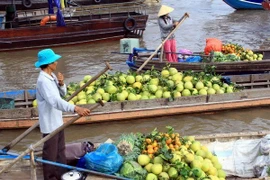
(105, 159)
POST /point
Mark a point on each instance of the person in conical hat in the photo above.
(166, 24)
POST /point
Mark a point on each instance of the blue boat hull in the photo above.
(244, 4)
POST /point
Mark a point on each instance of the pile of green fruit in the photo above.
(152, 84)
(190, 160)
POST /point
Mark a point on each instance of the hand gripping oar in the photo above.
(32, 147)
(178, 25)
(20, 137)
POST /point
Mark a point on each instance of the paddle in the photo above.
(45, 139)
(20, 137)
(178, 25)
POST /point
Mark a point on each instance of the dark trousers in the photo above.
(54, 150)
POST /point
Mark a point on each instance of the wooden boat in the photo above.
(23, 168)
(244, 4)
(36, 4)
(256, 94)
(86, 25)
(136, 59)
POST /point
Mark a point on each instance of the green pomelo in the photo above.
(143, 159)
(151, 176)
(158, 160)
(163, 176)
(156, 169)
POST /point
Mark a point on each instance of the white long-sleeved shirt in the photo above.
(50, 103)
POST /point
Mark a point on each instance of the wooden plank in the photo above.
(15, 113)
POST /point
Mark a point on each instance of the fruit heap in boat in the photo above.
(234, 52)
(152, 84)
(167, 155)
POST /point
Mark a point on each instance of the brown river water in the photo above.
(208, 18)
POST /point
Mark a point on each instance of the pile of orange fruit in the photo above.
(232, 48)
(152, 145)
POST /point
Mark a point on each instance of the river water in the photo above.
(208, 18)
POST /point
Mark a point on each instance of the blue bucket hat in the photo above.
(46, 56)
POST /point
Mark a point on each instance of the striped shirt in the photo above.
(50, 103)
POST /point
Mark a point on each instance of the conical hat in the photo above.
(164, 10)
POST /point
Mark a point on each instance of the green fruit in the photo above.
(195, 146)
(163, 176)
(100, 91)
(106, 96)
(137, 85)
(199, 85)
(211, 91)
(130, 79)
(132, 97)
(97, 97)
(91, 101)
(138, 78)
(179, 87)
(143, 159)
(172, 172)
(152, 88)
(166, 94)
(87, 78)
(156, 168)
(121, 97)
(159, 93)
(111, 89)
(151, 176)
(216, 87)
(188, 85)
(203, 92)
(148, 167)
(186, 92)
(166, 167)
(221, 173)
(173, 71)
(165, 73)
(154, 81)
(34, 103)
(158, 160)
(189, 157)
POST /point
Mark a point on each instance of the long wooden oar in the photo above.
(20, 137)
(45, 139)
(178, 25)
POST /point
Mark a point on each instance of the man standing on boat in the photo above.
(166, 25)
(50, 89)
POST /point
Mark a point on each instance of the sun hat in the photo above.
(165, 10)
(46, 56)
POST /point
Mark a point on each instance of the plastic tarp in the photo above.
(237, 157)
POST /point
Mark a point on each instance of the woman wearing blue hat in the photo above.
(50, 89)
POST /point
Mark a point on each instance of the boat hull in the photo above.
(81, 29)
(225, 68)
(23, 168)
(37, 4)
(136, 110)
(244, 4)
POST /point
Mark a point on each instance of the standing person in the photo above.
(50, 89)
(166, 25)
